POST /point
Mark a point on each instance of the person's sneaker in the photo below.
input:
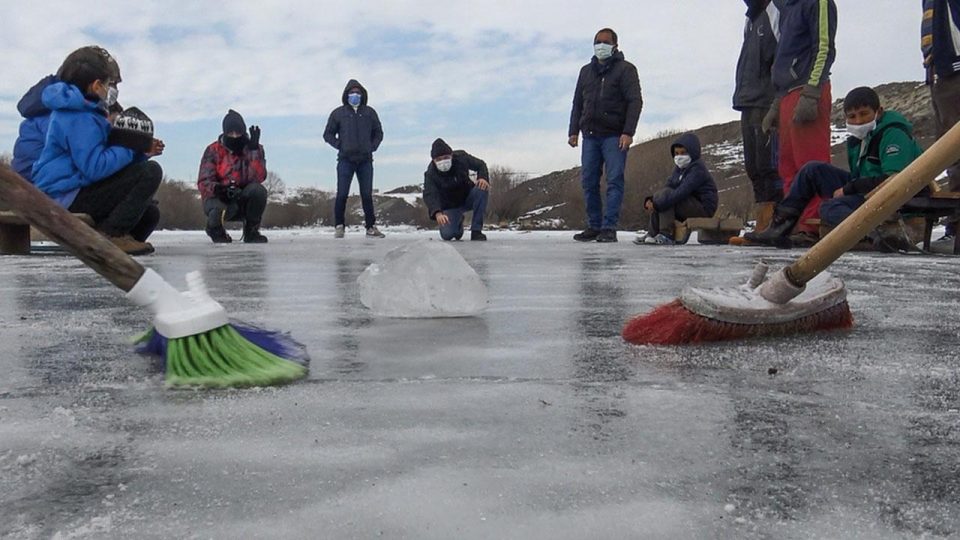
(588, 235)
(663, 240)
(374, 232)
(643, 240)
(607, 235)
(132, 246)
(942, 245)
(478, 235)
(219, 235)
(338, 232)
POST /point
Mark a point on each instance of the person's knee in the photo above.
(448, 233)
(663, 193)
(255, 191)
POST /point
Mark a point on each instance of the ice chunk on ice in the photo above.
(421, 280)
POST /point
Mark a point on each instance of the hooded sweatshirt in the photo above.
(693, 181)
(76, 152)
(33, 129)
(355, 133)
(445, 190)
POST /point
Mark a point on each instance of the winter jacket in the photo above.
(220, 166)
(807, 48)
(694, 181)
(33, 129)
(754, 85)
(356, 134)
(941, 37)
(445, 190)
(872, 161)
(607, 100)
(76, 152)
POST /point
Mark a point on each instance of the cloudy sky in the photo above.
(494, 77)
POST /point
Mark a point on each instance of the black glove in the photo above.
(254, 142)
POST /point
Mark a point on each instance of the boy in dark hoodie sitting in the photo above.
(79, 169)
(690, 192)
(880, 145)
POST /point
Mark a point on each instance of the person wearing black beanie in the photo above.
(456, 183)
(232, 173)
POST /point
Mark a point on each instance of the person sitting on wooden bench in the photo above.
(79, 167)
(690, 192)
(880, 144)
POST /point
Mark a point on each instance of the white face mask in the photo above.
(683, 160)
(444, 165)
(861, 131)
(602, 51)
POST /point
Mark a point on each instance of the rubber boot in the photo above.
(780, 227)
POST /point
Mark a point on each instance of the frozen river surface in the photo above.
(534, 420)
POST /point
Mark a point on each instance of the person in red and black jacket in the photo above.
(232, 172)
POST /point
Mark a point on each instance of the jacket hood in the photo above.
(754, 8)
(617, 56)
(31, 104)
(689, 141)
(353, 83)
(67, 97)
(892, 118)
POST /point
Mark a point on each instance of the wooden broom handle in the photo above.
(885, 202)
(67, 230)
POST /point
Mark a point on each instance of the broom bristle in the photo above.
(233, 355)
(674, 324)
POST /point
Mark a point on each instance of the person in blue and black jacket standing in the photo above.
(940, 43)
(606, 108)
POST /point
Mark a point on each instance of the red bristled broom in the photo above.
(801, 297)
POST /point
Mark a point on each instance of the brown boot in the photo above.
(764, 215)
(131, 246)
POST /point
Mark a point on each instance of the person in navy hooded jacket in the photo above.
(690, 192)
(78, 169)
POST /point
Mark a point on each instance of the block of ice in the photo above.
(422, 280)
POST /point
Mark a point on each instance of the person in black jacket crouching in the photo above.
(449, 191)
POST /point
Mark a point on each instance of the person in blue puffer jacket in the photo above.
(690, 192)
(78, 169)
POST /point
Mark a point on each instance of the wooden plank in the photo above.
(954, 195)
(703, 223)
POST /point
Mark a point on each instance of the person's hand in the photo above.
(254, 138)
(772, 119)
(156, 148)
(808, 107)
(625, 142)
(648, 205)
(573, 141)
(233, 192)
(442, 218)
(838, 193)
(483, 184)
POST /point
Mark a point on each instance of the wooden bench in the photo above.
(933, 207)
(15, 232)
(709, 230)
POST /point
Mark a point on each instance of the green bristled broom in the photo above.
(200, 345)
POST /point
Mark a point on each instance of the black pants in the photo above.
(759, 157)
(687, 208)
(119, 203)
(248, 207)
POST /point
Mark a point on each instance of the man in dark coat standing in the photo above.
(449, 191)
(606, 108)
(354, 130)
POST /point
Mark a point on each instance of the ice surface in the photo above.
(532, 420)
(423, 279)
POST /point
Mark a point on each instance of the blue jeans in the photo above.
(345, 171)
(477, 203)
(601, 153)
(822, 179)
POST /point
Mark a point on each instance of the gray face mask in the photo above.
(112, 94)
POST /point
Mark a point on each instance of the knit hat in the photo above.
(132, 129)
(440, 148)
(234, 122)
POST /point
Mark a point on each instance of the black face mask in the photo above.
(234, 144)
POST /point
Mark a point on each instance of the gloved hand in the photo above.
(808, 107)
(254, 142)
(772, 118)
(233, 192)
